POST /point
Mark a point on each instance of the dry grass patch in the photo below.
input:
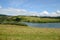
(13, 32)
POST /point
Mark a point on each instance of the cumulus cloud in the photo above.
(44, 13)
(57, 13)
(13, 11)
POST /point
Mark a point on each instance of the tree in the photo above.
(17, 19)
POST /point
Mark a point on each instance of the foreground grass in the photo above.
(13, 32)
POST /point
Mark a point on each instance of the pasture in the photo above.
(14, 32)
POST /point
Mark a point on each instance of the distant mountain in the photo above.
(2, 15)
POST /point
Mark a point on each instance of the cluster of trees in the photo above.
(11, 20)
(58, 17)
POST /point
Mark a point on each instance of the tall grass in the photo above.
(14, 32)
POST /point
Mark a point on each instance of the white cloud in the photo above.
(44, 13)
(13, 11)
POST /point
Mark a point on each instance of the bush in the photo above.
(14, 23)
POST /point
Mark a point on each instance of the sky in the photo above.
(30, 7)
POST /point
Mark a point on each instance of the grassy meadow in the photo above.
(15, 32)
(40, 20)
(35, 19)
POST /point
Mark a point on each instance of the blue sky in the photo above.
(31, 5)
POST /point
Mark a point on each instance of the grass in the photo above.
(14, 32)
(29, 19)
(39, 20)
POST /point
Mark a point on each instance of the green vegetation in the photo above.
(16, 20)
(14, 32)
(9, 20)
(14, 23)
(11, 28)
(39, 19)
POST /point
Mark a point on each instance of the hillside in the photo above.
(35, 19)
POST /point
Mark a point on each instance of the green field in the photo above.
(14, 32)
(39, 19)
(16, 19)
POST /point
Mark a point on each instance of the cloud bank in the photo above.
(15, 12)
